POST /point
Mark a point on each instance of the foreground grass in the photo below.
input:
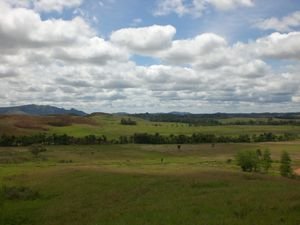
(115, 185)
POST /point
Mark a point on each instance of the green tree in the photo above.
(285, 167)
(37, 149)
(247, 160)
(266, 160)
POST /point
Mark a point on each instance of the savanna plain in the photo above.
(143, 184)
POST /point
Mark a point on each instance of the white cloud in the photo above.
(277, 45)
(197, 7)
(94, 50)
(228, 4)
(45, 5)
(144, 40)
(18, 3)
(190, 50)
(296, 99)
(287, 23)
(166, 7)
(55, 5)
(20, 27)
(136, 22)
(64, 62)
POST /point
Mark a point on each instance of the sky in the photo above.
(199, 56)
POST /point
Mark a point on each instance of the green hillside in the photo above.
(110, 126)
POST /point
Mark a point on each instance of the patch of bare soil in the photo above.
(297, 171)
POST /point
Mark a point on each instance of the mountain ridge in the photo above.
(39, 110)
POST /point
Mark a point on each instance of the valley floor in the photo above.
(145, 184)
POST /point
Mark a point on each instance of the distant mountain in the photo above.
(39, 110)
(179, 113)
(121, 114)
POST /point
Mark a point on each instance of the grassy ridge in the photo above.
(129, 184)
(109, 125)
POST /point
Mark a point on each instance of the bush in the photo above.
(128, 121)
(37, 149)
(19, 193)
(266, 160)
(285, 167)
(247, 160)
(65, 161)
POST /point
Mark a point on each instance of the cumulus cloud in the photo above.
(189, 50)
(197, 7)
(144, 40)
(287, 23)
(277, 45)
(20, 27)
(94, 50)
(55, 5)
(166, 7)
(7, 72)
(65, 62)
(228, 4)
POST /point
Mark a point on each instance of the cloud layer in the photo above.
(285, 24)
(45, 5)
(66, 63)
(197, 7)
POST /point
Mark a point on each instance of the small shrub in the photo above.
(19, 193)
(65, 161)
(229, 161)
(266, 160)
(128, 121)
(37, 149)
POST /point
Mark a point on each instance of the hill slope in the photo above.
(39, 110)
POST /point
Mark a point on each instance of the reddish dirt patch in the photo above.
(297, 171)
(29, 125)
(18, 124)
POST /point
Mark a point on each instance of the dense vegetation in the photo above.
(128, 121)
(140, 138)
(254, 160)
(275, 119)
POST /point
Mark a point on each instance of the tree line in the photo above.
(140, 138)
(197, 138)
(216, 119)
(258, 161)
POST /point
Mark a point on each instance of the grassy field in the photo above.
(109, 125)
(131, 184)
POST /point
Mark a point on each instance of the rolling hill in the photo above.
(39, 110)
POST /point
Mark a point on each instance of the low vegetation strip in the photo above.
(140, 138)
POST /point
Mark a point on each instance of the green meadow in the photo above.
(145, 184)
(109, 125)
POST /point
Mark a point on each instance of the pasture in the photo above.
(145, 184)
(109, 125)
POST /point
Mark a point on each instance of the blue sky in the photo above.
(155, 56)
(235, 25)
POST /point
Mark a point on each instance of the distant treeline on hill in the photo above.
(140, 138)
(215, 119)
(128, 121)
